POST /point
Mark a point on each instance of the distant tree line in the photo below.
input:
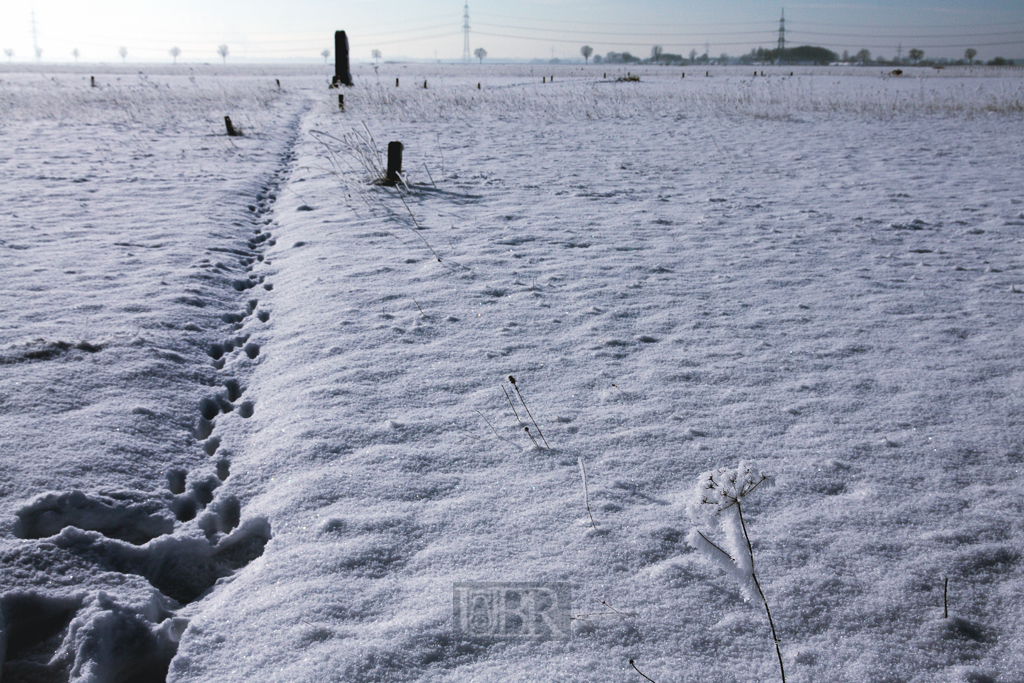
(916, 57)
(804, 54)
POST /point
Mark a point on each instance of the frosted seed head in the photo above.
(721, 489)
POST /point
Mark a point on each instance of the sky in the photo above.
(413, 29)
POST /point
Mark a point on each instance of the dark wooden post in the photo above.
(424, 85)
(684, 74)
(231, 129)
(92, 81)
(477, 86)
(278, 80)
(394, 162)
(342, 74)
(543, 79)
(396, 82)
(341, 102)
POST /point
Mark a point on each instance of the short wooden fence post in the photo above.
(394, 162)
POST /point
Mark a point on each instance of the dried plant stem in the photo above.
(757, 584)
(945, 596)
(520, 394)
(579, 617)
(509, 399)
(640, 672)
(586, 493)
(425, 168)
(441, 154)
(493, 429)
(416, 223)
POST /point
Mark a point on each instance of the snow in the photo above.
(252, 418)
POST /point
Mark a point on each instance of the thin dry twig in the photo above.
(493, 429)
(512, 380)
(640, 672)
(586, 493)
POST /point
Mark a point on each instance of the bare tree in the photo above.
(656, 53)
(864, 56)
(480, 53)
(970, 54)
(123, 51)
(9, 52)
(586, 51)
(74, 53)
(376, 55)
(174, 53)
(693, 56)
(915, 55)
(325, 54)
(222, 50)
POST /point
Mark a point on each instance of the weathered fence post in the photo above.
(231, 129)
(341, 102)
(342, 74)
(394, 162)
(92, 81)
(396, 82)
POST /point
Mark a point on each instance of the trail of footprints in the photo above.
(52, 638)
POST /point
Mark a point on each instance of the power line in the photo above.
(626, 33)
(621, 23)
(632, 43)
(927, 36)
(852, 46)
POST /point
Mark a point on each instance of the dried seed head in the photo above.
(512, 380)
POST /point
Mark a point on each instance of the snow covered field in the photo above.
(252, 418)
